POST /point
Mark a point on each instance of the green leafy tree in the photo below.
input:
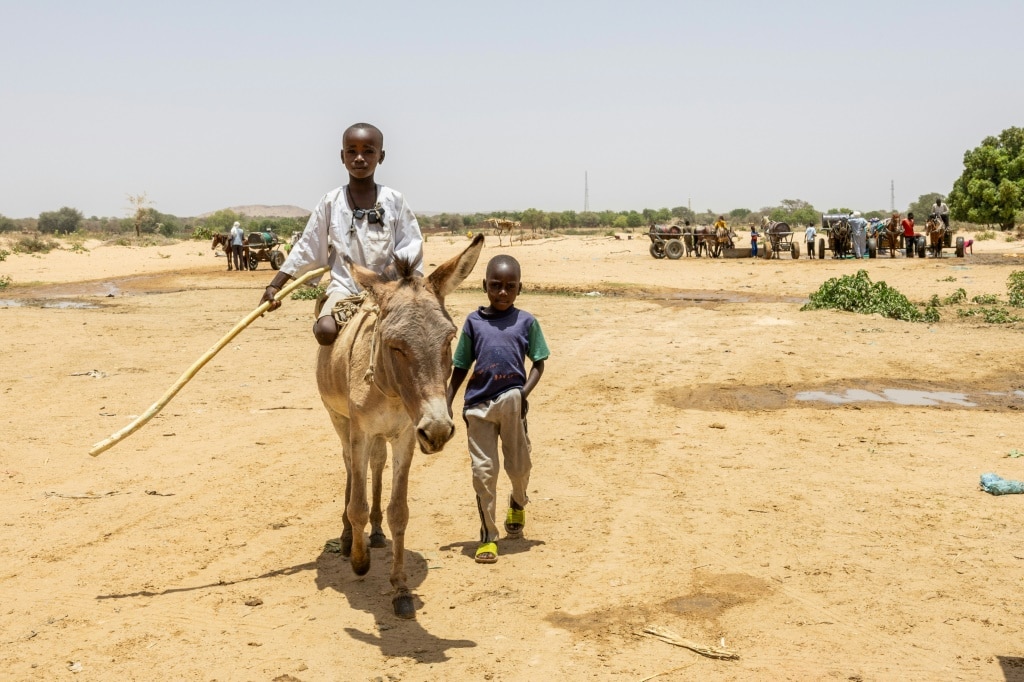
(923, 206)
(794, 212)
(221, 221)
(534, 219)
(7, 225)
(739, 213)
(683, 212)
(64, 221)
(991, 188)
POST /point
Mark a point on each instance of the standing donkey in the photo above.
(383, 380)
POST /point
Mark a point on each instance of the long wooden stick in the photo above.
(198, 365)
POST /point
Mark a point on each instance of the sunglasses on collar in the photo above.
(373, 215)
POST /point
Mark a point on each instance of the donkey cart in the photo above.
(779, 238)
(265, 246)
(666, 241)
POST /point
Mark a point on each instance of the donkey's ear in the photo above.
(367, 279)
(448, 276)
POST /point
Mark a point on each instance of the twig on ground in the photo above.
(669, 637)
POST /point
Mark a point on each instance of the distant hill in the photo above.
(264, 211)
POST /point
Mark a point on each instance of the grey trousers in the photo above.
(485, 423)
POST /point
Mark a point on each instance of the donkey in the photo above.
(224, 242)
(936, 231)
(384, 380)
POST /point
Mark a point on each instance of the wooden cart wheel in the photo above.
(921, 246)
(794, 250)
(674, 249)
(253, 263)
(276, 259)
(821, 249)
(658, 249)
(959, 247)
(872, 248)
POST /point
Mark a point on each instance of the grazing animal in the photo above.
(384, 380)
(936, 230)
(502, 227)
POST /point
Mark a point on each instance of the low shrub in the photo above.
(33, 244)
(985, 299)
(958, 296)
(985, 236)
(5, 281)
(308, 293)
(858, 294)
(3, 255)
(1015, 287)
(990, 315)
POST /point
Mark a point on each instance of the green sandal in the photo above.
(487, 553)
(515, 521)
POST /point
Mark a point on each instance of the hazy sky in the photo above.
(491, 106)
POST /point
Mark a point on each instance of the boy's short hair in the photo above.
(504, 260)
(366, 126)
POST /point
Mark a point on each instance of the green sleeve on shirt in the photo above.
(463, 358)
(537, 348)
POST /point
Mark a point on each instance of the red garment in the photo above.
(908, 227)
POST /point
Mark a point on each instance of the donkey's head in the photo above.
(413, 357)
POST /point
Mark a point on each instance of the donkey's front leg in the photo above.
(398, 519)
(378, 458)
(357, 509)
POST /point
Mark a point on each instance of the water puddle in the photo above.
(39, 303)
(730, 397)
(704, 296)
(899, 396)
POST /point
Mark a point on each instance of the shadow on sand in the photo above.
(372, 594)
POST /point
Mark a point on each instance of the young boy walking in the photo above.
(495, 342)
(369, 223)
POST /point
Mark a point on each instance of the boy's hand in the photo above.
(525, 407)
(268, 295)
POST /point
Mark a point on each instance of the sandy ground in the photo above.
(680, 480)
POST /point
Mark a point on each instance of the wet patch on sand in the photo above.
(718, 397)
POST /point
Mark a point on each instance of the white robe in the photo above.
(331, 233)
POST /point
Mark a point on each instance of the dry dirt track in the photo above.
(678, 481)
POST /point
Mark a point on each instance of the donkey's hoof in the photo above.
(403, 606)
(378, 540)
(361, 565)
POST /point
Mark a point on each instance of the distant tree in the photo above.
(221, 221)
(876, 214)
(7, 225)
(739, 213)
(839, 211)
(534, 219)
(620, 222)
(590, 219)
(794, 212)
(63, 221)
(923, 206)
(141, 213)
(991, 188)
(683, 213)
(634, 219)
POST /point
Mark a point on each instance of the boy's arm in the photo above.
(536, 370)
(458, 376)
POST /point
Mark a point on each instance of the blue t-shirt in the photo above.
(498, 344)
